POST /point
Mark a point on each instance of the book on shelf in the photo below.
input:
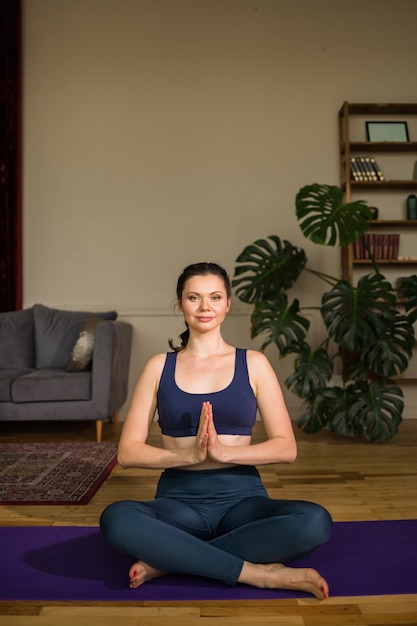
(365, 168)
(376, 169)
(356, 174)
(361, 164)
(382, 247)
(371, 172)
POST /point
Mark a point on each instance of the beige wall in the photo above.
(163, 132)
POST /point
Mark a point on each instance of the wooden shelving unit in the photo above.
(349, 146)
(399, 185)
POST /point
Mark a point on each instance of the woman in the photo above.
(211, 515)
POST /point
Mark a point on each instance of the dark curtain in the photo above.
(10, 156)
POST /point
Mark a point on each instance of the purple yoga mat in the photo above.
(70, 563)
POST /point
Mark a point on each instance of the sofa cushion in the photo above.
(7, 377)
(82, 353)
(52, 386)
(17, 340)
(56, 332)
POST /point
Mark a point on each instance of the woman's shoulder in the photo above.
(257, 362)
(256, 357)
(161, 356)
(155, 363)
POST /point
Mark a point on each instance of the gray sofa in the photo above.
(63, 365)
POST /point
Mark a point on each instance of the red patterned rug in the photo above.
(54, 473)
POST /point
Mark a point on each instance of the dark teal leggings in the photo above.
(209, 522)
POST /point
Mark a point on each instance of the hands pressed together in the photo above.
(207, 445)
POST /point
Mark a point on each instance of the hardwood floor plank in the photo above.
(119, 611)
(363, 620)
(318, 609)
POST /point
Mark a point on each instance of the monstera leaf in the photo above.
(341, 421)
(312, 371)
(376, 409)
(325, 219)
(267, 267)
(392, 352)
(356, 316)
(282, 324)
(372, 409)
(320, 410)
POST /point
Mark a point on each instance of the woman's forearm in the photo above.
(146, 456)
(275, 450)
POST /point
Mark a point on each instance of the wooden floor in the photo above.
(353, 479)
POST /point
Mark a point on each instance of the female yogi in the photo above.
(211, 515)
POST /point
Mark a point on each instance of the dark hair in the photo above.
(198, 269)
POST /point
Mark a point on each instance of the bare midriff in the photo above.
(172, 443)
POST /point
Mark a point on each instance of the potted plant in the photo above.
(369, 326)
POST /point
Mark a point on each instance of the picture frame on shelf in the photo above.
(387, 131)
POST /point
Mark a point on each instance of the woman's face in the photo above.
(204, 302)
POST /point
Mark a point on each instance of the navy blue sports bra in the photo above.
(234, 408)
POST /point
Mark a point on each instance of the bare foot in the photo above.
(141, 572)
(278, 576)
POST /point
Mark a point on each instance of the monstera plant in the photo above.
(370, 334)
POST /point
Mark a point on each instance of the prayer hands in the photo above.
(207, 441)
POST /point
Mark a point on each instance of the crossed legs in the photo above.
(251, 542)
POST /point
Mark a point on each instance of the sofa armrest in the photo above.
(110, 366)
